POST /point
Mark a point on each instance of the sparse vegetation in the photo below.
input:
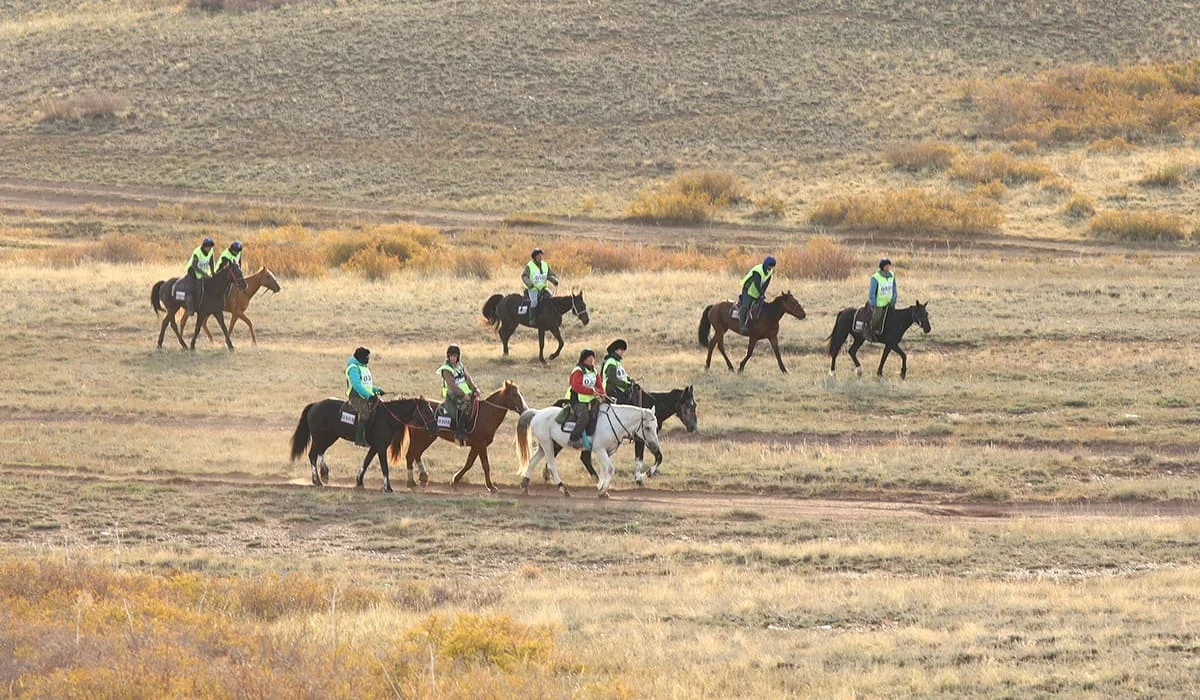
(1140, 226)
(910, 211)
(1001, 166)
(992, 190)
(925, 156)
(692, 197)
(1116, 145)
(821, 258)
(90, 104)
(1056, 184)
(770, 206)
(1080, 206)
(1170, 175)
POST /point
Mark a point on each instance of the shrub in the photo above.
(526, 219)
(821, 258)
(671, 208)
(720, 188)
(91, 104)
(932, 156)
(1056, 184)
(124, 248)
(770, 206)
(1023, 148)
(992, 190)
(1001, 166)
(1114, 145)
(1093, 102)
(910, 211)
(1081, 206)
(493, 640)
(1140, 226)
(1172, 175)
(290, 251)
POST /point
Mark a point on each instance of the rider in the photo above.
(617, 382)
(361, 392)
(881, 296)
(586, 386)
(200, 268)
(231, 254)
(535, 276)
(754, 287)
(457, 389)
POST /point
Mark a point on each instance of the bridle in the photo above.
(574, 310)
(627, 434)
(401, 421)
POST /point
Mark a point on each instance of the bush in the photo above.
(1114, 145)
(720, 188)
(92, 104)
(526, 219)
(992, 190)
(1056, 184)
(1172, 175)
(372, 263)
(910, 211)
(770, 206)
(1023, 148)
(290, 251)
(1001, 166)
(821, 258)
(671, 208)
(1081, 206)
(932, 156)
(1140, 226)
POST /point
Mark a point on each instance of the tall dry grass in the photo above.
(1002, 166)
(692, 197)
(931, 156)
(911, 211)
(90, 104)
(1141, 226)
(821, 258)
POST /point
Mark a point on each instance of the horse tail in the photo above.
(705, 326)
(491, 310)
(399, 445)
(837, 337)
(523, 439)
(154, 297)
(301, 436)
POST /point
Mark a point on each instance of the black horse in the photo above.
(895, 325)
(677, 402)
(322, 424)
(501, 313)
(163, 298)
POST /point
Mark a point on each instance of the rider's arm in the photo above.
(610, 376)
(525, 278)
(550, 276)
(577, 383)
(356, 384)
(470, 382)
(895, 291)
(751, 283)
(872, 292)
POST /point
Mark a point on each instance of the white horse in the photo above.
(614, 425)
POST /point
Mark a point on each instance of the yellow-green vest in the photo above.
(885, 290)
(364, 375)
(589, 380)
(227, 255)
(622, 377)
(538, 275)
(460, 378)
(204, 261)
(754, 292)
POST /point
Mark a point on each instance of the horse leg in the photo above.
(708, 360)
(209, 333)
(253, 340)
(506, 332)
(887, 349)
(607, 470)
(853, 351)
(778, 358)
(487, 471)
(559, 338)
(313, 456)
(903, 362)
(362, 472)
(542, 345)
(533, 460)
(383, 467)
(639, 452)
(422, 474)
(162, 331)
(200, 316)
(221, 322)
(749, 352)
(721, 346)
(466, 468)
(324, 469)
(551, 462)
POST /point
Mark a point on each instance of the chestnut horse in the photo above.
(484, 416)
(163, 299)
(719, 317)
(238, 301)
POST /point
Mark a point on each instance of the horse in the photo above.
(720, 318)
(238, 301)
(614, 425)
(487, 414)
(212, 303)
(677, 402)
(322, 424)
(501, 313)
(896, 323)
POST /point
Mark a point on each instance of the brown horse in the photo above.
(238, 301)
(719, 317)
(487, 414)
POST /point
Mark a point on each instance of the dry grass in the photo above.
(992, 190)
(821, 258)
(692, 197)
(925, 156)
(1093, 102)
(91, 104)
(1056, 184)
(1172, 175)
(770, 206)
(910, 211)
(1140, 226)
(1116, 144)
(1001, 166)
(1080, 206)
(238, 6)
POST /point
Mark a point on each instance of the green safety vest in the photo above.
(589, 380)
(203, 260)
(460, 378)
(622, 377)
(885, 290)
(538, 275)
(754, 292)
(364, 376)
(230, 257)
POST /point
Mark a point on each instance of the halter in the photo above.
(629, 436)
(573, 309)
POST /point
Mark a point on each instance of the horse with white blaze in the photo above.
(614, 425)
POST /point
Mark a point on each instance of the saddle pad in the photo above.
(563, 414)
(348, 418)
(568, 426)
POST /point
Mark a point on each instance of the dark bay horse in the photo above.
(501, 313)
(486, 415)
(895, 325)
(719, 317)
(321, 425)
(211, 304)
(677, 402)
(239, 300)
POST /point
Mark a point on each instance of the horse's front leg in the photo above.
(749, 352)
(541, 345)
(487, 470)
(607, 470)
(559, 338)
(778, 357)
(853, 351)
(220, 322)
(383, 466)
(639, 453)
(887, 349)
(466, 468)
(253, 340)
(721, 347)
(553, 464)
(903, 362)
(362, 472)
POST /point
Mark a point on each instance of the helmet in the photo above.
(587, 352)
(236, 246)
(536, 252)
(616, 345)
(453, 350)
(884, 262)
(769, 261)
(362, 354)
(207, 243)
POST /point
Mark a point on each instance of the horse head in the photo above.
(269, 280)
(921, 315)
(792, 305)
(512, 399)
(687, 408)
(579, 307)
(236, 275)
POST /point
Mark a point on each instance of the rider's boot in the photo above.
(360, 434)
(577, 432)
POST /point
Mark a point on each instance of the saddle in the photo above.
(348, 415)
(523, 307)
(755, 311)
(862, 323)
(467, 417)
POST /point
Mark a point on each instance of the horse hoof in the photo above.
(493, 490)
(424, 480)
(563, 490)
(387, 488)
(359, 486)
(412, 485)
(603, 494)
(639, 480)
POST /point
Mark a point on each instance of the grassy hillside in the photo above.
(499, 104)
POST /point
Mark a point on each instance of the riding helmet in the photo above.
(884, 262)
(616, 345)
(584, 355)
(362, 354)
(769, 261)
(236, 246)
(453, 350)
(536, 252)
(207, 243)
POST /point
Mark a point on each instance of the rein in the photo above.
(397, 418)
(629, 436)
